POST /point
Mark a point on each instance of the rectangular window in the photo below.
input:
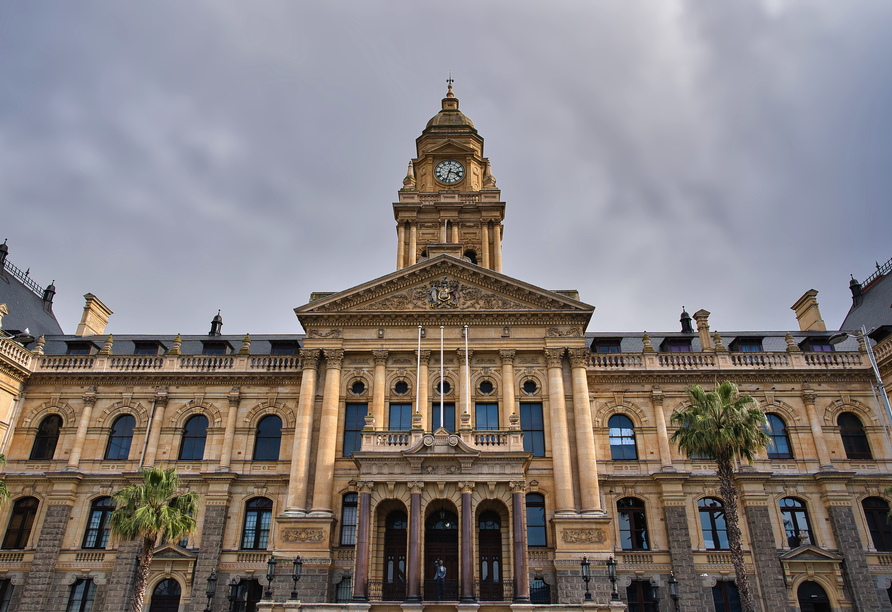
(606, 346)
(820, 347)
(487, 417)
(354, 421)
(145, 348)
(5, 594)
(282, 348)
(400, 417)
(679, 348)
(448, 416)
(214, 348)
(79, 348)
(533, 427)
(349, 512)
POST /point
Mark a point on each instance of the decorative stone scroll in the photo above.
(583, 536)
(303, 535)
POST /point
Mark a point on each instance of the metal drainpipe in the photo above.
(145, 443)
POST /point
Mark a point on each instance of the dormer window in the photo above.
(816, 345)
(80, 348)
(676, 345)
(283, 348)
(607, 345)
(151, 347)
(216, 348)
(747, 345)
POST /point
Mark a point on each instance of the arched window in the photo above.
(812, 597)
(47, 437)
(120, 438)
(853, 438)
(876, 511)
(80, 597)
(712, 523)
(536, 533)
(632, 524)
(622, 438)
(166, 596)
(796, 525)
(268, 439)
(258, 518)
(779, 444)
(395, 530)
(194, 437)
(490, 555)
(349, 513)
(540, 592)
(726, 597)
(20, 523)
(472, 256)
(98, 529)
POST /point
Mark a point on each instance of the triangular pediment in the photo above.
(172, 551)
(810, 553)
(445, 285)
(448, 146)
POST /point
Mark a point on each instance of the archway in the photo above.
(166, 596)
(395, 530)
(441, 542)
(490, 556)
(812, 598)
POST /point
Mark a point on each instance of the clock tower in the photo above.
(449, 202)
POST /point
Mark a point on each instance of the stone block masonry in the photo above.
(209, 558)
(765, 556)
(117, 592)
(692, 596)
(862, 588)
(39, 581)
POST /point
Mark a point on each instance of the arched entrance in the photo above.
(441, 542)
(812, 598)
(166, 596)
(394, 588)
(490, 538)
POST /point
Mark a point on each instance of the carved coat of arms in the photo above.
(444, 294)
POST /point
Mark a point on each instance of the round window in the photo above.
(358, 388)
(530, 387)
(444, 387)
(401, 388)
(486, 387)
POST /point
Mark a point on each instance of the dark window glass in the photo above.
(282, 349)
(749, 346)
(401, 388)
(607, 346)
(530, 387)
(354, 421)
(448, 416)
(795, 518)
(397, 520)
(80, 598)
(400, 417)
(622, 438)
(348, 519)
(443, 387)
(536, 533)
(712, 523)
(214, 348)
(5, 594)
(20, 523)
(120, 438)
(145, 348)
(632, 524)
(249, 593)
(47, 437)
(98, 529)
(819, 346)
(725, 597)
(853, 438)
(486, 387)
(779, 445)
(533, 428)
(876, 512)
(640, 596)
(344, 590)
(487, 417)
(79, 348)
(194, 436)
(268, 439)
(679, 348)
(357, 388)
(258, 518)
(540, 592)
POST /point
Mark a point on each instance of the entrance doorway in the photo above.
(394, 588)
(249, 593)
(166, 596)
(441, 542)
(490, 538)
(812, 598)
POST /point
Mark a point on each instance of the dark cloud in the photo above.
(175, 158)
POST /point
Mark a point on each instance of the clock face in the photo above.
(449, 172)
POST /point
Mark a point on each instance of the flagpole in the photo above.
(467, 376)
(442, 423)
(418, 376)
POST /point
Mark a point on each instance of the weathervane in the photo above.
(449, 82)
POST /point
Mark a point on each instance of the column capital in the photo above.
(554, 357)
(656, 395)
(89, 398)
(380, 356)
(461, 354)
(161, 399)
(333, 358)
(577, 357)
(415, 487)
(424, 355)
(808, 395)
(310, 358)
(365, 486)
(234, 396)
(466, 487)
(507, 356)
(517, 486)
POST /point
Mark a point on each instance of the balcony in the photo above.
(15, 352)
(502, 440)
(661, 362)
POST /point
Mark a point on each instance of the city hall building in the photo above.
(442, 412)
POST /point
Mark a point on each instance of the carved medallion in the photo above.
(583, 536)
(444, 293)
(303, 535)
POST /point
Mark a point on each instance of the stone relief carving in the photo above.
(583, 536)
(303, 535)
(555, 332)
(315, 333)
(445, 293)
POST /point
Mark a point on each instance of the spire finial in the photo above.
(449, 82)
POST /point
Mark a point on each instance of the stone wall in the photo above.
(39, 581)
(209, 558)
(765, 557)
(862, 588)
(692, 596)
(117, 592)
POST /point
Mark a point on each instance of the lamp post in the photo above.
(212, 588)
(585, 576)
(296, 566)
(270, 574)
(233, 592)
(655, 593)
(673, 590)
(611, 573)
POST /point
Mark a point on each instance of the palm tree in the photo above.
(721, 424)
(152, 511)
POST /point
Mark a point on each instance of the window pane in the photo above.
(448, 414)
(487, 417)
(531, 424)
(354, 421)
(400, 417)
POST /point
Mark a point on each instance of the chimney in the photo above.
(807, 312)
(95, 317)
(702, 318)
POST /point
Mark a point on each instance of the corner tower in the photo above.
(449, 202)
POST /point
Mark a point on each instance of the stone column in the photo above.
(413, 561)
(39, 580)
(229, 433)
(521, 573)
(453, 225)
(484, 232)
(692, 596)
(325, 456)
(379, 388)
(400, 245)
(122, 578)
(421, 389)
(467, 537)
(155, 430)
(298, 481)
(848, 542)
(463, 382)
(361, 573)
(497, 246)
(764, 550)
(443, 237)
(507, 407)
(662, 432)
(74, 459)
(817, 431)
(413, 242)
(589, 492)
(560, 452)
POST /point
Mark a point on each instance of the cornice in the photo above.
(15, 372)
(434, 318)
(708, 377)
(166, 379)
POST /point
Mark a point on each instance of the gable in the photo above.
(449, 146)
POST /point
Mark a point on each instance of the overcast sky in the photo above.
(175, 158)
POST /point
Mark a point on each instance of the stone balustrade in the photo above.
(164, 363)
(656, 362)
(15, 352)
(485, 440)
